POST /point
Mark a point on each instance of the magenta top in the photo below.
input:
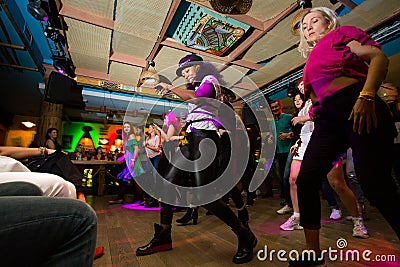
(332, 58)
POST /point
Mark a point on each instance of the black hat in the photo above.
(187, 61)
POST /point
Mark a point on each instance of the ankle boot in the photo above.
(161, 242)
(191, 214)
(247, 241)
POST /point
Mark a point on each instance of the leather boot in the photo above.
(191, 214)
(161, 242)
(247, 241)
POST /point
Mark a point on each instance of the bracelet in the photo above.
(367, 93)
(43, 151)
(366, 98)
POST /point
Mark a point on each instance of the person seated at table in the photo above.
(99, 154)
(11, 169)
(44, 231)
(79, 153)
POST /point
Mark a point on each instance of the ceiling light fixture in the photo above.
(63, 65)
(54, 35)
(28, 124)
(233, 7)
(304, 3)
(36, 11)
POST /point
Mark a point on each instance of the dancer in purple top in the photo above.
(203, 83)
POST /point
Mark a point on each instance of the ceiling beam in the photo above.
(92, 74)
(247, 64)
(257, 34)
(255, 23)
(127, 59)
(348, 3)
(22, 37)
(240, 62)
(13, 46)
(171, 13)
(18, 67)
(71, 12)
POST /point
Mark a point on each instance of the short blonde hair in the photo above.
(330, 16)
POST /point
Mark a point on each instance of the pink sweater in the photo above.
(332, 58)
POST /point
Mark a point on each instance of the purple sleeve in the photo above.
(206, 89)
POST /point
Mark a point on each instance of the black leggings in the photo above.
(218, 207)
(333, 134)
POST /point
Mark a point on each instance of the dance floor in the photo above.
(210, 243)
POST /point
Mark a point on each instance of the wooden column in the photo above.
(50, 114)
(50, 117)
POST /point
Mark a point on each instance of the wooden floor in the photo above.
(122, 228)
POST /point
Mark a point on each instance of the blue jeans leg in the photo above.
(44, 231)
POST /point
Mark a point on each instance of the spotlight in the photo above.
(36, 11)
(290, 92)
(304, 3)
(54, 35)
(63, 65)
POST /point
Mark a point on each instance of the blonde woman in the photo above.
(344, 69)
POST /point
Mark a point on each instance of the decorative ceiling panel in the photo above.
(131, 45)
(278, 39)
(267, 9)
(85, 38)
(141, 18)
(89, 62)
(368, 13)
(123, 73)
(232, 74)
(102, 8)
(274, 42)
(277, 67)
(167, 60)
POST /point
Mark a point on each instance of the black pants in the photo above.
(202, 177)
(333, 134)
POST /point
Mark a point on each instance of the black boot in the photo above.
(247, 241)
(161, 242)
(243, 216)
(191, 214)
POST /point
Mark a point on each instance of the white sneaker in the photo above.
(292, 224)
(284, 210)
(336, 214)
(359, 229)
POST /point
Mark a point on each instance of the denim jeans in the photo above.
(373, 154)
(352, 179)
(46, 231)
(329, 194)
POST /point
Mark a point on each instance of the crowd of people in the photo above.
(339, 118)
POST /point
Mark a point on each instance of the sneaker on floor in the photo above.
(116, 201)
(284, 210)
(293, 223)
(359, 229)
(336, 214)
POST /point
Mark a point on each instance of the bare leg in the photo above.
(294, 171)
(338, 183)
(312, 240)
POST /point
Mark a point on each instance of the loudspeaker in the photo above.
(63, 90)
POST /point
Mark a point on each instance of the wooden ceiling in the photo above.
(114, 40)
